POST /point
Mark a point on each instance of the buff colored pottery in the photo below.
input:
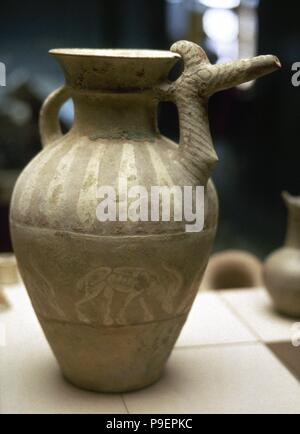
(8, 269)
(112, 297)
(233, 269)
(282, 268)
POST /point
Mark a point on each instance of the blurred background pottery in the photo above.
(8, 269)
(282, 268)
(233, 269)
(8, 276)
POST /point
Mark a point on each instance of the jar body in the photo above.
(111, 297)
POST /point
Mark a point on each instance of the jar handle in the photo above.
(196, 150)
(49, 125)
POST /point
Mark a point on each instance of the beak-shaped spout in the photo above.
(227, 75)
(190, 92)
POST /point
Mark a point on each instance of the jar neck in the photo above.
(115, 115)
(293, 227)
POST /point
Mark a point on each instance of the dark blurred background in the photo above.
(255, 127)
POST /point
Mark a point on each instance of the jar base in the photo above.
(112, 359)
(91, 387)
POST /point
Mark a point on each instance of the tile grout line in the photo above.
(221, 344)
(124, 402)
(244, 322)
(232, 309)
(255, 334)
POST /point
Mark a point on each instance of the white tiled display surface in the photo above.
(220, 364)
(255, 309)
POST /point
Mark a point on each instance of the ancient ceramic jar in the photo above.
(282, 268)
(112, 297)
